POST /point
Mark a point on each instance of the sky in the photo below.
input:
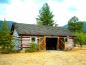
(26, 11)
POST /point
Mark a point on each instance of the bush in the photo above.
(8, 49)
(80, 38)
(33, 48)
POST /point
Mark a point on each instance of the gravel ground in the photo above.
(75, 57)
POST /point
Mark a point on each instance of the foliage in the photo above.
(75, 25)
(80, 38)
(33, 48)
(45, 16)
(5, 38)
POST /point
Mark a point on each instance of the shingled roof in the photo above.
(32, 29)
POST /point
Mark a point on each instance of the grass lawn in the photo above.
(75, 57)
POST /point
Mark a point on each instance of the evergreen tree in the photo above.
(5, 37)
(45, 16)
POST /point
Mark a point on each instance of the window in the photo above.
(33, 39)
(65, 39)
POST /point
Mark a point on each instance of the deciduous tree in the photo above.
(75, 25)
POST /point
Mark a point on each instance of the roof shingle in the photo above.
(32, 29)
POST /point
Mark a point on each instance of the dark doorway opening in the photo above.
(51, 43)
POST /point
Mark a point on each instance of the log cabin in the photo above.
(46, 37)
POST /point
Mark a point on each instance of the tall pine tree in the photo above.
(5, 37)
(45, 16)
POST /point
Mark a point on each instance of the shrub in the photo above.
(33, 48)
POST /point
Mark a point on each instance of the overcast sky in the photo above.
(26, 11)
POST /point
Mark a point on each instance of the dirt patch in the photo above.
(75, 57)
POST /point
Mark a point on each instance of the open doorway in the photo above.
(51, 43)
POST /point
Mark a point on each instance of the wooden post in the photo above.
(38, 43)
(58, 43)
(23, 50)
(45, 42)
(21, 40)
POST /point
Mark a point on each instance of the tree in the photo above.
(80, 38)
(5, 37)
(45, 16)
(75, 25)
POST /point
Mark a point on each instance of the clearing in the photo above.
(75, 57)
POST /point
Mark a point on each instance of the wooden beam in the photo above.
(45, 42)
